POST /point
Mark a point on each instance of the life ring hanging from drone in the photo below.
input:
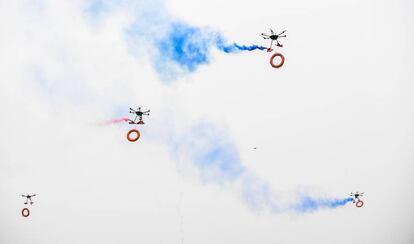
(25, 212)
(133, 139)
(275, 37)
(138, 115)
(359, 204)
(355, 199)
(282, 61)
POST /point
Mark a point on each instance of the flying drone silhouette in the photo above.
(138, 115)
(273, 37)
(356, 196)
(356, 199)
(29, 198)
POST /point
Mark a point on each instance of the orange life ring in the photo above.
(25, 212)
(281, 62)
(129, 135)
(359, 204)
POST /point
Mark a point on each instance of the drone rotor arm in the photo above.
(281, 32)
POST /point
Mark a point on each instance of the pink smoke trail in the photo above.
(115, 121)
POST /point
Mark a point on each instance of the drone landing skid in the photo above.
(136, 123)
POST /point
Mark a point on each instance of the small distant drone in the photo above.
(356, 199)
(356, 196)
(139, 115)
(29, 198)
(273, 37)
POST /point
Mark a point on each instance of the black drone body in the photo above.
(28, 198)
(274, 37)
(356, 196)
(138, 115)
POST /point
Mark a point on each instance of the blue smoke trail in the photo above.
(189, 47)
(180, 47)
(232, 48)
(216, 158)
(212, 153)
(309, 204)
(236, 47)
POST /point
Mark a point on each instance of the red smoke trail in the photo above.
(115, 121)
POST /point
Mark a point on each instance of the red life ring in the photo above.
(281, 62)
(133, 139)
(25, 212)
(359, 203)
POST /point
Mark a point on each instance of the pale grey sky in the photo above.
(337, 117)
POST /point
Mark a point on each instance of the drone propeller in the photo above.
(265, 36)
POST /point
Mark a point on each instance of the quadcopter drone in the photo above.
(139, 115)
(29, 198)
(273, 37)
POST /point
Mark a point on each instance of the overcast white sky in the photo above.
(337, 117)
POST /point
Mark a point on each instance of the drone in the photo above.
(273, 37)
(29, 198)
(356, 196)
(139, 115)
